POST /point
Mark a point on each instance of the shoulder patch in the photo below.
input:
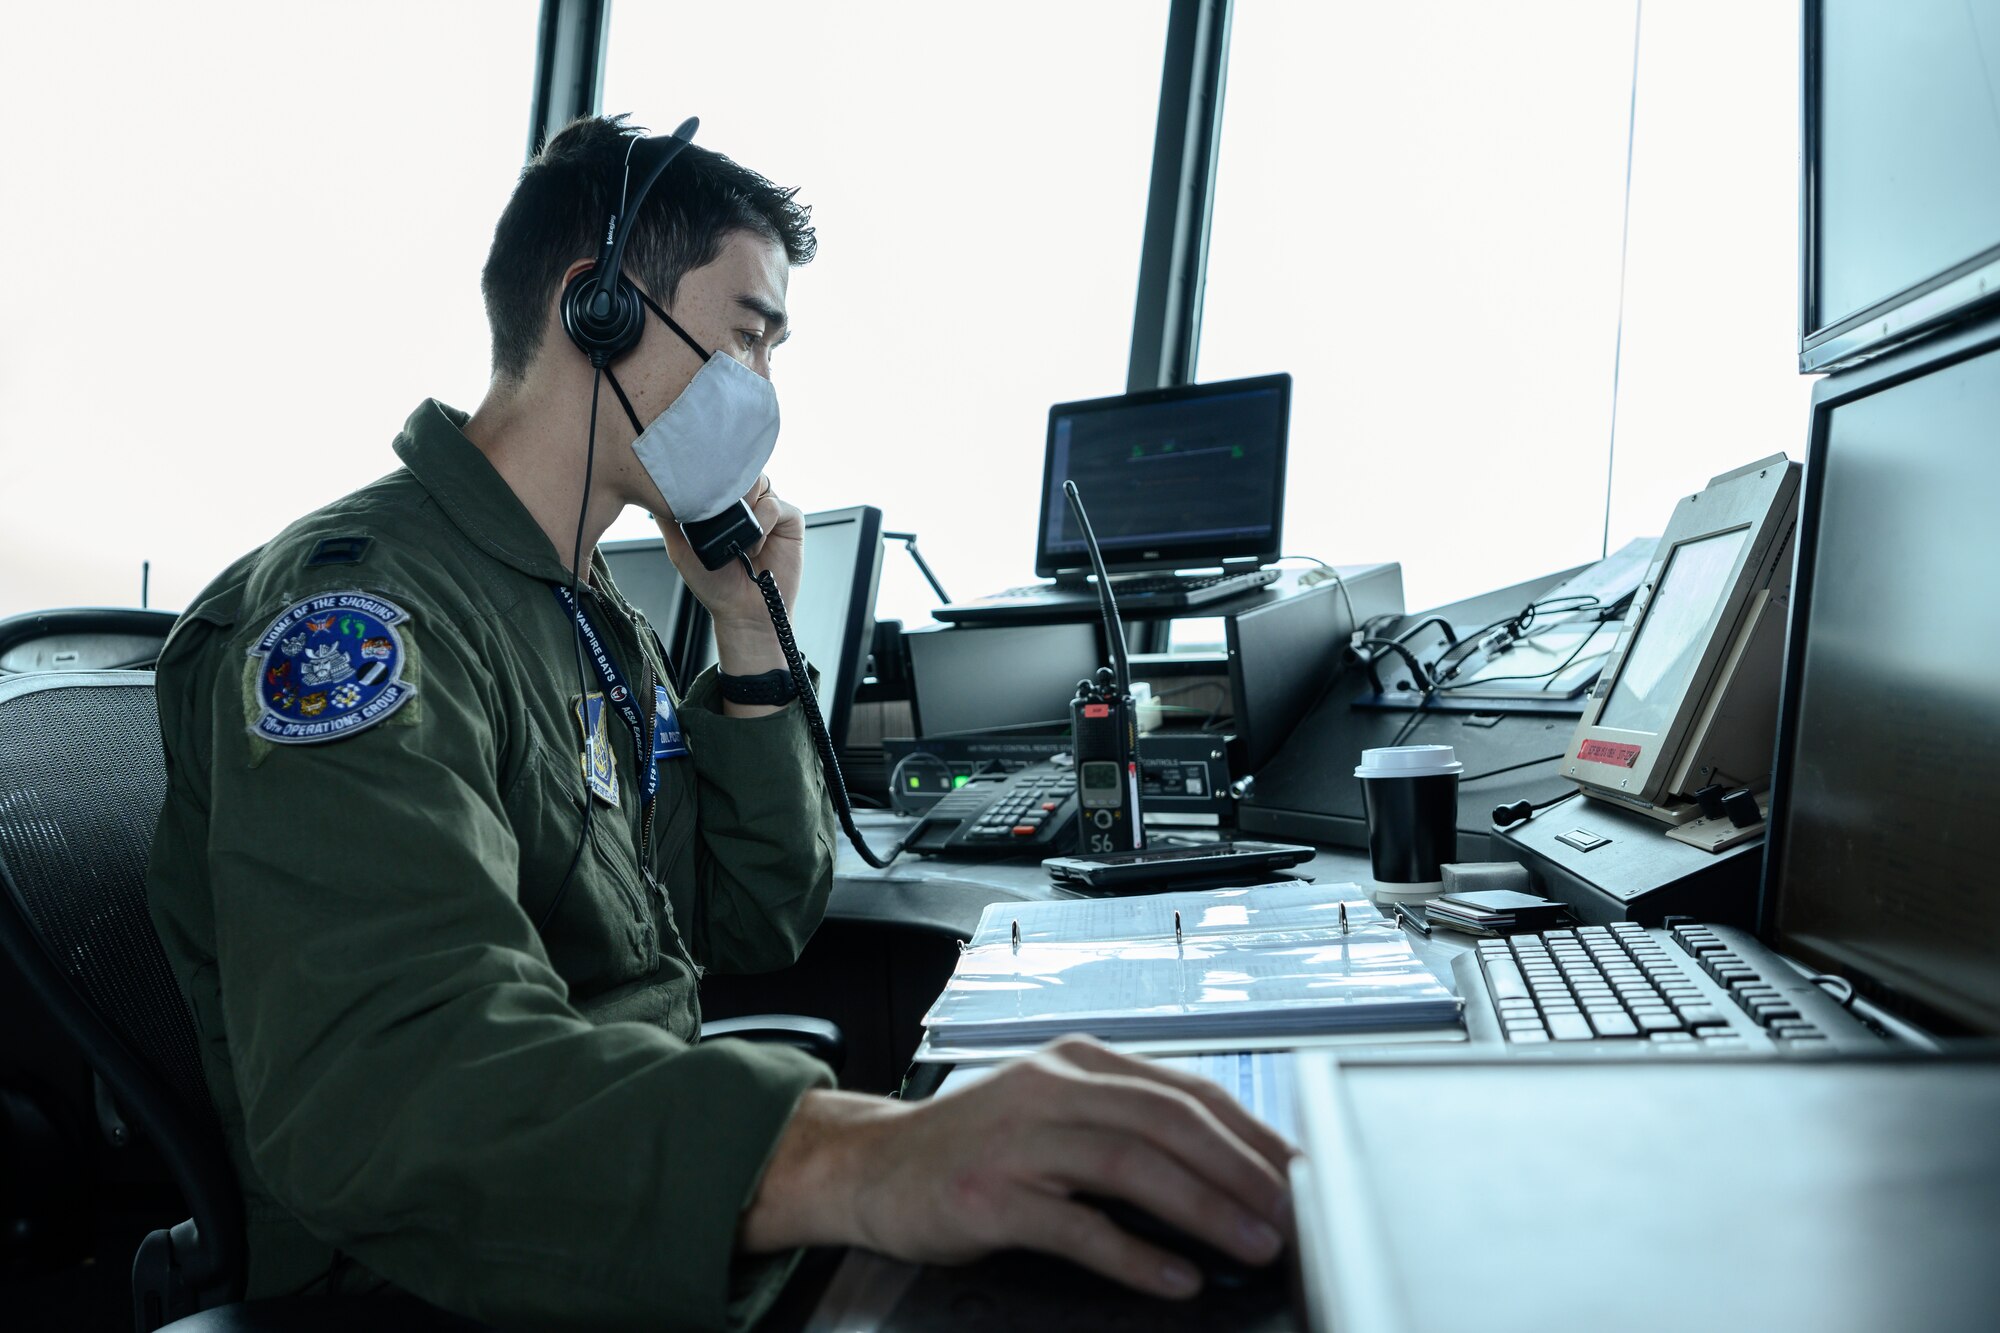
(330, 666)
(340, 551)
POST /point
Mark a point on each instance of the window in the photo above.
(244, 243)
(978, 176)
(1418, 212)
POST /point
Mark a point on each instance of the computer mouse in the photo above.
(1217, 1268)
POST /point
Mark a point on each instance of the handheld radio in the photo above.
(1104, 727)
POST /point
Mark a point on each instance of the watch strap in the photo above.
(767, 687)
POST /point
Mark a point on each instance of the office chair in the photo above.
(84, 638)
(82, 778)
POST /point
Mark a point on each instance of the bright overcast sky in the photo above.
(244, 242)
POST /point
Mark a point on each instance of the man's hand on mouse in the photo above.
(994, 1167)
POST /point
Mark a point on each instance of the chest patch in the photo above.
(330, 666)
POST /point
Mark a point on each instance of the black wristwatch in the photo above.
(766, 687)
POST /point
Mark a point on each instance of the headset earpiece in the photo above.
(602, 337)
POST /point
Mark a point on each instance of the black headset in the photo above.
(601, 308)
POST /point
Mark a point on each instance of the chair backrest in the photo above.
(82, 778)
(83, 638)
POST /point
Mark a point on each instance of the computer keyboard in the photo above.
(1625, 983)
(1597, 982)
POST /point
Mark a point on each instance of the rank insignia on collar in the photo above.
(331, 666)
(600, 761)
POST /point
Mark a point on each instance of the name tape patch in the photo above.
(330, 666)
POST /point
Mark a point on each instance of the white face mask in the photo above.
(709, 447)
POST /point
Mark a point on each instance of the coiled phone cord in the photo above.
(836, 785)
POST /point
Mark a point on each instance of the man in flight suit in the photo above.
(440, 885)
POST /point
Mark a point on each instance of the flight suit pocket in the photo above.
(602, 932)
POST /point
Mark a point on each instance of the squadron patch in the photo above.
(330, 666)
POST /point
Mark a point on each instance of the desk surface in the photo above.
(1021, 1291)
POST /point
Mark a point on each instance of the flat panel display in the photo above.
(1188, 476)
(1903, 147)
(1680, 620)
(1882, 854)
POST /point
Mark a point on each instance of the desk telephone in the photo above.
(1030, 811)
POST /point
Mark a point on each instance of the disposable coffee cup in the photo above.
(1411, 794)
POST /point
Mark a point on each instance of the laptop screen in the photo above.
(1881, 865)
(1171, 478)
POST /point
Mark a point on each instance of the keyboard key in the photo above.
(1528, 1037)
(1613, 1024)
(1504, 980)
(1569, 1027)
(1704, 1016)
(1527, 1024)
(1653, 1020)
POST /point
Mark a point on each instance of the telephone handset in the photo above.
(718, 540)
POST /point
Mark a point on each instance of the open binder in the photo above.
(1269, 962)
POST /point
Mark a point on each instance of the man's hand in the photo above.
(745, 643)
(994, 1167)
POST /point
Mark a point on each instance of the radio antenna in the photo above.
(1113, 630)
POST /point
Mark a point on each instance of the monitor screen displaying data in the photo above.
(1194, 476)
(1680, 620)
(1883, 861)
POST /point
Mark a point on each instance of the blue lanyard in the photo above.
(615, 690)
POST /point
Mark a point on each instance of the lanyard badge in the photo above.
(668, 743)
(590, 715)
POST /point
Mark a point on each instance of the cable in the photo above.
(576, 630)
(836, 786)
(1352, 622)
(1506, 816)
(1496, 772)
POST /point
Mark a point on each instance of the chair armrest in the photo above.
(817, 1037)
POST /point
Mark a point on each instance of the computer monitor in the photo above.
(833, 616)
(1899, 207)
(1689, 698)
(1880, 864)
(1172, 478)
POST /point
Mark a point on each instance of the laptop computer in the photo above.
(1877, 923)
(1185, 488)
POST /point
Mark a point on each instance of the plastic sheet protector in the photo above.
(1267, 961)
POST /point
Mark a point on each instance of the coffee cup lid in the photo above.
(1408, 761)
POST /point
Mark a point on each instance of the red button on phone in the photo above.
(1024, 830)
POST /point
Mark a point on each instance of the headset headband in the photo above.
(611, 255)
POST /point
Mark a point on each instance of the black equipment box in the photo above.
(1610, 865)
(1181, 773)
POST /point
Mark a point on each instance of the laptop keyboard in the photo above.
(1600, 983)
(1158, 585)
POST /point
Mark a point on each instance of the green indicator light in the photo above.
(1236, 451)
(916, 784)
(959, 780)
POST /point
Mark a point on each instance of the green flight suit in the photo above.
(421, 1086)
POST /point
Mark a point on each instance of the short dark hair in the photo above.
(572, 185)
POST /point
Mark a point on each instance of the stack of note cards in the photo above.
(1258, 965)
